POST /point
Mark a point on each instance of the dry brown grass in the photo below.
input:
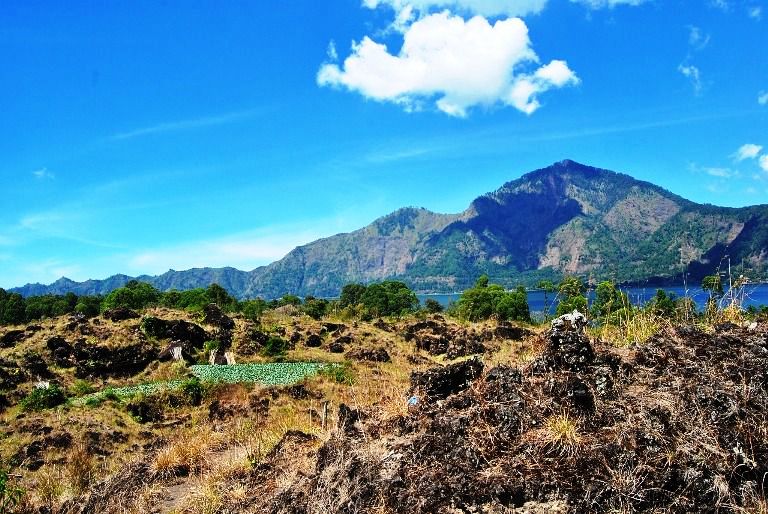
(561, 433)
(188, 452)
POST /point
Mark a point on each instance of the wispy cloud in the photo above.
(762, 98)
(756, 13)
(694, 76)
(720, 172)
(697, 38)
(747, 151)
(194, 123)
(43, 174)
(764, 162)
(244, 251)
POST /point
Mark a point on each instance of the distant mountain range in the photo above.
(567, 218)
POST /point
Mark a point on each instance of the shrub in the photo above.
(43, 396)
(81, 388)
(571, 291)
(339, 373)
(432, 306)
(486, 300)
(193, 391)
(275, 347)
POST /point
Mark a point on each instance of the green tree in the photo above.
(88, 305)
(432, 306)
(389, 298)
(218, 295)
(571, 291)
(486, 300)
(13, 310)
(548, 287)
(351, 294)
(315, 308)
(134, 295)
(253, 309)
(663, 305)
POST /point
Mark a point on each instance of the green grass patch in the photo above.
(276, 373)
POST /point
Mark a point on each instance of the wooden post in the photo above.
(325, 414)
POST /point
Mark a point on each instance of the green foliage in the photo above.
(88, 305)
(81, 388)
(340, 373)
(713, 284)
(253, 309)
(193, 391)
(12, 308)
(218, 295)
(609, 301)
(275, 347)
(43, 397)
(486, 300)
(389, 298)
(315, 308)
(134, 295)
(351, 294)
(571, 291)
(663, 305)
(432, 306)
(10, 493)
(289, 299)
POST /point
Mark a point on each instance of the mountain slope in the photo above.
(567, 218)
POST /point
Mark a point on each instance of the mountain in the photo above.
(567, 218)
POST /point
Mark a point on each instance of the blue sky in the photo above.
(142, 136)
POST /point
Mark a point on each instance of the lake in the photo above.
(754, 294)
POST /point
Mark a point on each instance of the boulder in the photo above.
(11, 337)
(213, 315)
(441, 382)
(120, 314)
(313, 341)
(189, 334)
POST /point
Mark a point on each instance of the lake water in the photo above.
(755, 294)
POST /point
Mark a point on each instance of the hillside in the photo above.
(567, 218)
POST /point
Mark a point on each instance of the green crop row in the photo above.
(277, 373)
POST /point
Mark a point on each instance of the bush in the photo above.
(193, 391)
(432, 306)
(486, 300)
(134, 295)
(82, 387)
(43, 396)
(275, 347)
(339, 373)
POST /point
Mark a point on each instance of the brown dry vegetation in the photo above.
(673, 421)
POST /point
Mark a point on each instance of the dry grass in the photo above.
(561, 433)
(188, 452)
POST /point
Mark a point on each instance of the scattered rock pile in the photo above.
(679, 424)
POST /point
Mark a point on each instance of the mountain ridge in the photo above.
(567, 218)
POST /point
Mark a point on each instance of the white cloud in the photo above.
(756, 13)
(457, 64)
(482, 7)
(693, 74)
(697, 38)
(43, 174)
(762, 98)
(723, 5)
(763, 162)
(748, 151)
(719, 172)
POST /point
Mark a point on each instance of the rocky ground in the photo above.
(429, 415)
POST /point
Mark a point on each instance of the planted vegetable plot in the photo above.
(277, 373)
(123, 393)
